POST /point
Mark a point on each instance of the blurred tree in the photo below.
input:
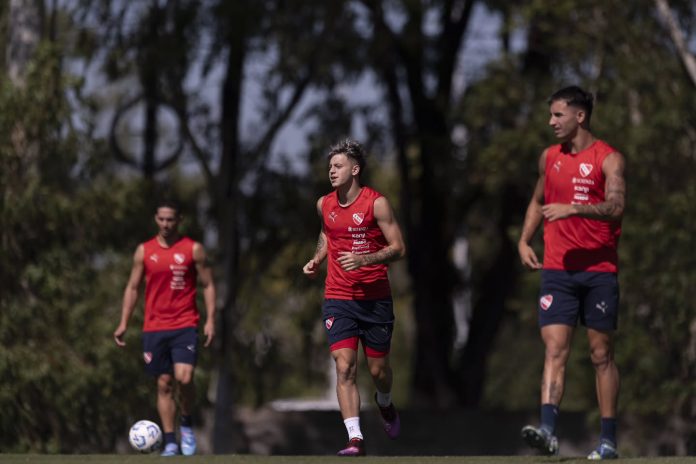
(25, 30)
(415, 49)
(58, 222)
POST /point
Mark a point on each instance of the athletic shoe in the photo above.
(540, 439)
(605, 450)
(172, 449)
(390, 419)
(355, 447)
(188, 441)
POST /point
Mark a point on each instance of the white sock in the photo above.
(353, 427)
(383, 399)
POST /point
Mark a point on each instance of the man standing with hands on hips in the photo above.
(580, 196)
(359, 237)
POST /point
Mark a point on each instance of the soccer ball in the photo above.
(145, 436)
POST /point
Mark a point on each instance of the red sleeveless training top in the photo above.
(353, 228)
(170, 286)
(577, 243)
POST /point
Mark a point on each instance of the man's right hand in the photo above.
(118, 335)
(528, 257)
(310, 269)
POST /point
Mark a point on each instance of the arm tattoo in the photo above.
(612, 207)
(383, 256)
(321, 245)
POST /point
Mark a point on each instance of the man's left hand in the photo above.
(349, 261)
(555, 211)
(209, 332)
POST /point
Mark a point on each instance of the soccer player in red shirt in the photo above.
(170, 264)
(359, 236)
(580, 196)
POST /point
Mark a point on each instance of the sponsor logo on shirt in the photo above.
(585, 169)
(358, 218)
(545, 302)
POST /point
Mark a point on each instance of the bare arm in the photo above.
(205, 276)
(310, 268)
(395, 249)
(130, 295)
(532, 219)
(611, 209)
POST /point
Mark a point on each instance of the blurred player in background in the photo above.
(171, 265)
(359, 236)
(580, 196)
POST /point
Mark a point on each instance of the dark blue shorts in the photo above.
(371, 321)
(164, 348)
(566, 296)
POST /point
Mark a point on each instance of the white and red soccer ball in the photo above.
(145, 436)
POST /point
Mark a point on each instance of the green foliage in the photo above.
(68, 233)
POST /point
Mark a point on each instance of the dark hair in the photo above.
(351, 149)
(169, 203)
(577, 97)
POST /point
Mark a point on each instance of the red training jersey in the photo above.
(353, 228)
(577, 243)
(170, 286)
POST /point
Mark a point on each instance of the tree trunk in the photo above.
(687, 58)
(227, 211)
(432, 270)
(25, 26)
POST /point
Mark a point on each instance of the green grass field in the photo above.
(246, 459)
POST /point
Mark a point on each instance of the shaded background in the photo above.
(232, 105)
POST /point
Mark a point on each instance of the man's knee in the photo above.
(556, 353)
(346, 369)
(601, 356)
(165, 384)
(184, 376)
(378, 367)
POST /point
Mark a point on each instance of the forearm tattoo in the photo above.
(613, 205)
(383, 256)
(321, 246)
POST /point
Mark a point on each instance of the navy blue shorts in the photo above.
(164, 348)
(566, 296)
(371, 321)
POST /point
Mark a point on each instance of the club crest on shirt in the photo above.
(358, 218)
(545, 302)
(329, 323)
(179, 258)
(147, 356)
(585, 169)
